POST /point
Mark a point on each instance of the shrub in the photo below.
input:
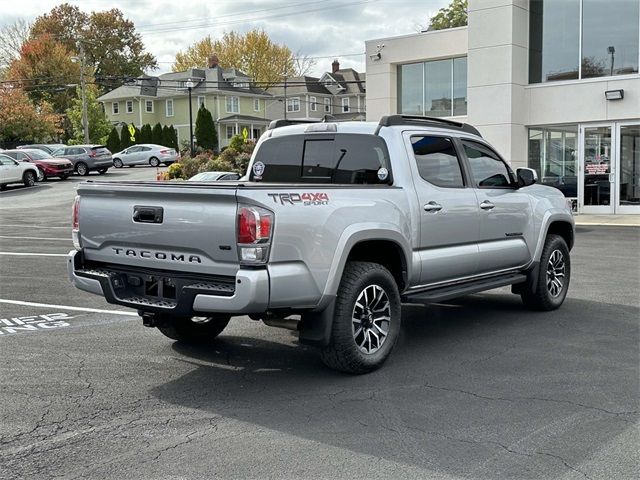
(236, 142)
(217, 164)
(174, 170)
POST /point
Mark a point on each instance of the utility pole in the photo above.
(285, 97)
(190, 84)
(85, 119)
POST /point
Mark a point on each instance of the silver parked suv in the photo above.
(334, 226)
(86, 158)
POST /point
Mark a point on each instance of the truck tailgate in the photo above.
(179, 227)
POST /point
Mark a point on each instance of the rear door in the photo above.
(449, 217)
(505, 211)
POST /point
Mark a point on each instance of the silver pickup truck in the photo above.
(334, 227)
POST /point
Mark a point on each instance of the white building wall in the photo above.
(382, 80)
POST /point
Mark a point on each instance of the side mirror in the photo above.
(526, 176)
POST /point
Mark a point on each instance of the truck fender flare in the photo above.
(550, 216)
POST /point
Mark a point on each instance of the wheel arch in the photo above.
(564, 229)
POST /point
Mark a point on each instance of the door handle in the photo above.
(432, 207)
(486, 205)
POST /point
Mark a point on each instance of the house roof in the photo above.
(300, 85)
(352, 81)
(173, 84)
(243, 118)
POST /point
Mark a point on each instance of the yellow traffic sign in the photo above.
(132, 132)
(245, 133)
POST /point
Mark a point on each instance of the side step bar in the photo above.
(440, 294)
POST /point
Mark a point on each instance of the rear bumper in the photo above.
(101, 164)
(185, 295)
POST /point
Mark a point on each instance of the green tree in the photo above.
(156, 134)
(455, 15)
(166, 136)
(125, 137)
(111, 44)
(145, 133)
(174, 139)
(99, 126)
(113, 141)
(205, 132)
(138, 136)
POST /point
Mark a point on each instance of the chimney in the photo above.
(212, 61)
(335, 66)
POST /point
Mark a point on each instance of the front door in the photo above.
(597, 185)
(610, 168)
(628, 168)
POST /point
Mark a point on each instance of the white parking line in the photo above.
(25, 254)
(38, 238)
(67, 307)
(33, 226)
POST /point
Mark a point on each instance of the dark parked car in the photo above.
(48, 166)
(87, 158)
(45, 147)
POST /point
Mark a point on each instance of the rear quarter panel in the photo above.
(316, 226)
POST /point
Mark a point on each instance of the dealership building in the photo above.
(552, 84)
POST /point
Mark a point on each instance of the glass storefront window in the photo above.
(630, 165)
(609, 32)
(410, 81)
(610, 37)
(553, 40)
(437, 88)
(553, 153)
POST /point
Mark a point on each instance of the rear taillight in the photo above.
(92, 153)
(75, 223)
(165, 152)
(255, 228)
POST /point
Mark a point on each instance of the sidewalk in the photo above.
(610, 220)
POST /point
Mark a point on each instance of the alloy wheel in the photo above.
(371, 319)
(555, 273)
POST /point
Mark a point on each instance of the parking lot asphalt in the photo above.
(475, 388)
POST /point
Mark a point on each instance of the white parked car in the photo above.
(145, 154)
(214, 176)
(12, 171)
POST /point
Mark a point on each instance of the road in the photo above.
(476, 388)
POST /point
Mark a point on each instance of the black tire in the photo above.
(185, 329)
(154, 162)
(345, 349)
(64, 176)
(82, 169)
(102, 171)
(554, 274)
(29, 178)
(117, 163)
(41, 175)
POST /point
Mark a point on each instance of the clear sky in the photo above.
(317, 28)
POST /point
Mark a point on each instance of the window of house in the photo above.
(129, 106)
(313, 103)
(148, 106)
(201, 102)
(487, 168)
(345, 105)
(437, 161)
(169, 107)
(256, 104)
(115, 108)
(293, 104)
(436, 88)
(233, 104)
(573, 39)
(327, 105)
(231, 131)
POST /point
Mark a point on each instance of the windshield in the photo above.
(39, 155)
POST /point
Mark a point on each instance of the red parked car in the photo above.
(48, 166)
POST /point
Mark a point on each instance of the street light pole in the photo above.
(189, 87)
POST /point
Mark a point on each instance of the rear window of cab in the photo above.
(340, 158)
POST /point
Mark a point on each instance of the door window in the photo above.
(597, 166)
(437, 161)
(488, 170)
(133, 150)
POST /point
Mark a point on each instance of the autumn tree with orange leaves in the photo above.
(20, 119)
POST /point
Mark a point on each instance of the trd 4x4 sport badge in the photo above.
(305, 199)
